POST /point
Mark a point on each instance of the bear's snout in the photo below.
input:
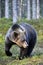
(25, 45)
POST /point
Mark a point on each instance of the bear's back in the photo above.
(29, 29)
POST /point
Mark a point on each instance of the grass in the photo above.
(37, 54)
(29, 61)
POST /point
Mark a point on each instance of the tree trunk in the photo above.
(28, 10)
(38, 9)
(6, 8)
(34, 9)
(14, 11)
(20, 8)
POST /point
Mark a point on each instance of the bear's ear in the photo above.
(15, 26)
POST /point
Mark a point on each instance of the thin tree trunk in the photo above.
(6, 8)
(34, 9)
(20, 8)
(38, 9)
(28, 10)
(14, 11)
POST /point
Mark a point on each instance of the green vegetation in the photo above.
(37, 54)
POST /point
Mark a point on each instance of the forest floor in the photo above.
(36, 57)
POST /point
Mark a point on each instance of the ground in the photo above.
(36, 57)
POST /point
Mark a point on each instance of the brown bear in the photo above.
(23, 35)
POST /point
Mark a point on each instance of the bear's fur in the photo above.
(23, 35)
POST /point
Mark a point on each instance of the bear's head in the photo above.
(19, 36)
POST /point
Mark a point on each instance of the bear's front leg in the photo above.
(7, 49)
(23, 53)
(8, 45)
